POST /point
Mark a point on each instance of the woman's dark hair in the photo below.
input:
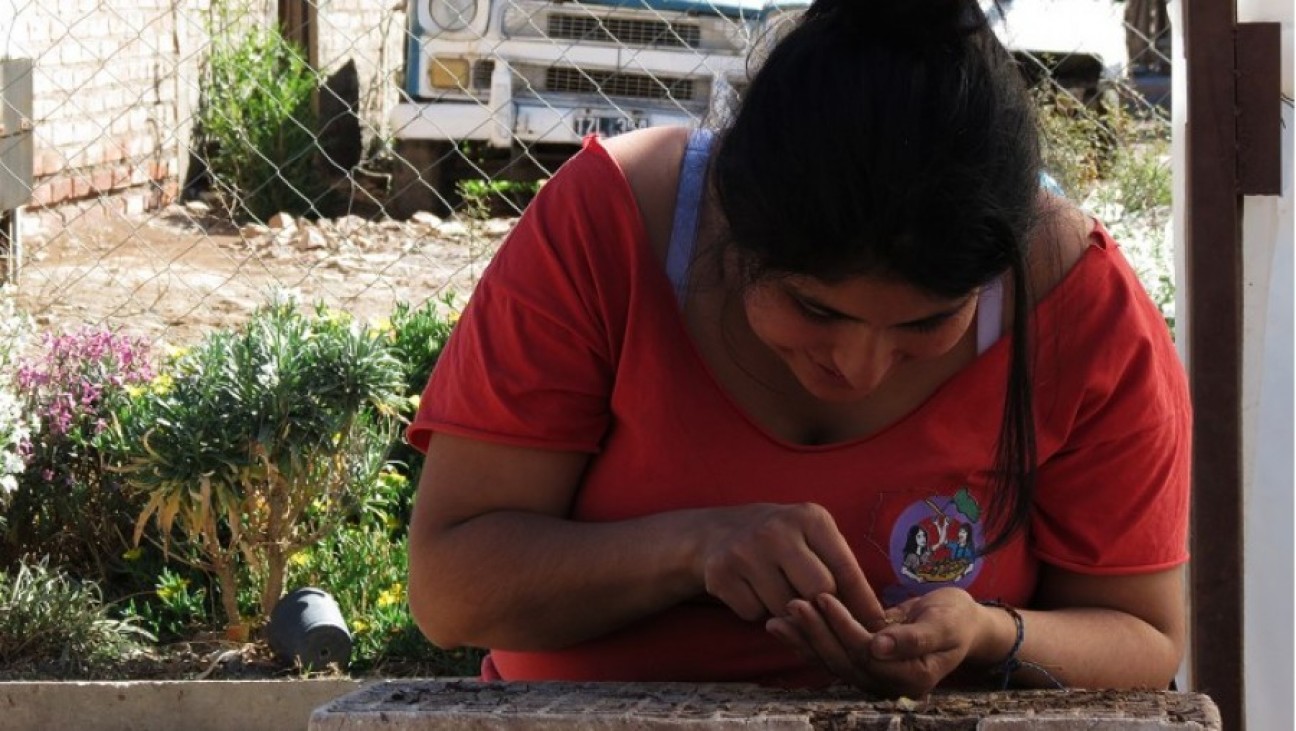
(895, 139)
(911, 540)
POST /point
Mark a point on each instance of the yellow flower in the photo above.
(453, 317)
(392, 522)
(176, 352)
(413, 401)
(301, 558)
(170, 591)
(134, 391)
(395, 594)
(133, 554)
(383, 326)
(336, 317)
(359, 627)
(162, 383)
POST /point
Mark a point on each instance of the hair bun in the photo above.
(917, 22)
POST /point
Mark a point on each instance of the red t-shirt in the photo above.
(573, 340)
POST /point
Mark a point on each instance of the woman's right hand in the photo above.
(495, 561)
(758, 558)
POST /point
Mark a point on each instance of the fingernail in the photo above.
(883, 645)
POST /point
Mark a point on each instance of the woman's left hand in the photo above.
(930, 636)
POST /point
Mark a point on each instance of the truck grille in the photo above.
(611, 83)
(481, 74)
(629, 32)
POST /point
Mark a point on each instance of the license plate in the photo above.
(606, 125)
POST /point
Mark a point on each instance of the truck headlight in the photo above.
(447, 73)
(451, 15)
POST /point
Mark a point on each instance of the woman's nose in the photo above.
(865, 360)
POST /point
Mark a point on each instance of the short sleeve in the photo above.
(531, 361)
(1113, 496)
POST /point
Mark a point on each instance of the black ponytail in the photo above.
(895, 139)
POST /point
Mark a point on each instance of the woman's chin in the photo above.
(833, 389)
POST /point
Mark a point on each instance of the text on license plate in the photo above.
(606, 125)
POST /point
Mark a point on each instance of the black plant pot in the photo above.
(307, 628)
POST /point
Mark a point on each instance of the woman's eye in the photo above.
(814, 312)
(926, 326)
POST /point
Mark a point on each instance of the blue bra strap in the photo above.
(990, 306)
(989, 314)
(692, 176)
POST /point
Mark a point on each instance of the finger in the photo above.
(848, 630)
(823, 641)
(773, 590)
(787, 632)
(807, 573)
(913, 640)
(739, 596)
(852, 587)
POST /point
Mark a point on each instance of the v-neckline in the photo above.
(664, 297)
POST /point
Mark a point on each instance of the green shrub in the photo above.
(365, 568)
(486, 198)
(1076, 144)
(252, 452)
(175, 608)
(50, 619)
(1140, 179)
(417, 337)
(1118, 167)
(256, 126)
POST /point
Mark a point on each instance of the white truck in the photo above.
(506, 89)
(499, 88)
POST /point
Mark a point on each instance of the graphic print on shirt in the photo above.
(934, 543)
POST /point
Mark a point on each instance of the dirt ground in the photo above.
(175, 274)
(209, 656)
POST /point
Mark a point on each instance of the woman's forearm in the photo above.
(1080, 648)
(525, 581)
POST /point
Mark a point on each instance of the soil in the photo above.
(197, 659)
(175, 274)
(211, 657)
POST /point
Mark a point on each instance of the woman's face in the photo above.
(843, 340)
(920, 538)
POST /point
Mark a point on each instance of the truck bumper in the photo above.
(525, 121)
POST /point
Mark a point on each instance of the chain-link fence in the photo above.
(191, 156)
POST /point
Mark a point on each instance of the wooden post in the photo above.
(1214, 289)
(297, 22)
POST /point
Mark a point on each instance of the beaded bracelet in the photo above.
(1012, 663)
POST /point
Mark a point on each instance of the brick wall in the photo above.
(110, 93)
(115, 86)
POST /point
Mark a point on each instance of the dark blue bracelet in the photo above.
(1012, 663)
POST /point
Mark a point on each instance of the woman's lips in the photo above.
(832, 372)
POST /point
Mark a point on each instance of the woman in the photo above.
(916, 553)
(710, 381)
